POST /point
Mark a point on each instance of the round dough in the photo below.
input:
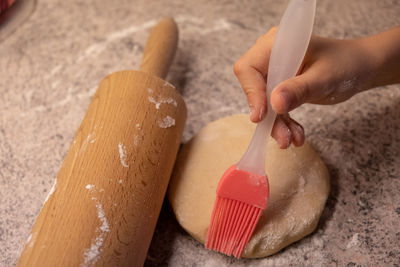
(298, 179)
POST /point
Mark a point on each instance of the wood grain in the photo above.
(110, 188)
(160, 48)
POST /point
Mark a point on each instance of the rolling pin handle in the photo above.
(160, 48)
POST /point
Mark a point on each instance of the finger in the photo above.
(251, 71)
(296, 129)
(290, 94)
(311, 86)
(281, 133)
(253, 85)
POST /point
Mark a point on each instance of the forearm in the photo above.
(383, 52)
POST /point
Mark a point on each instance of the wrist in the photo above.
(370, 62)
(382, 54)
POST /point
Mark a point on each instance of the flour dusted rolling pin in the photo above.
(105, 203)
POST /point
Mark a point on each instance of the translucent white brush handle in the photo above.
(290, 45)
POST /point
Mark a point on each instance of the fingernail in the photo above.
(253, 114)
(288, 137)
(262, 113)
(301, 134)
(299, 128)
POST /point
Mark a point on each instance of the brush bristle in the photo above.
(232, 224)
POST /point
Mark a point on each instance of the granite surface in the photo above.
(50, 67)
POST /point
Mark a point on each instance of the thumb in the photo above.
(290, 94)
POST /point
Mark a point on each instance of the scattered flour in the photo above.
(136, 140)
(318, 242)
(353, 242)
(89, 186)
(88, 140)
(168, 84)
(171, 101)
(51, 191)
(100, 213)
(31, 240)
(166, 122)
(288, 136)
(91, 255)
(159, 101)
(255, 179)
(220, 25)
(122, 155)
(155, 102)
(348, 85)
(302, 183)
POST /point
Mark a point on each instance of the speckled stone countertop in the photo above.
(51, 65)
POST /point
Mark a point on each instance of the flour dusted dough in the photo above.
(299, 185)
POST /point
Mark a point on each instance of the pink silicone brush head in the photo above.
(241, 197)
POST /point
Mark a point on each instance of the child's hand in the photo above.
(332, 72)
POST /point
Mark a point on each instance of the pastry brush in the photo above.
(243, 190)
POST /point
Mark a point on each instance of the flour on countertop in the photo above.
(166, 122)
(318, 242)
(353, 242)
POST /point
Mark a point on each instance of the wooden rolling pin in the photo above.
(103, 208)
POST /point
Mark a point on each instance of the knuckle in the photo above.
(249, 91)
(269, 36)
(273, 30)
(261, 38)
(239, 67)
